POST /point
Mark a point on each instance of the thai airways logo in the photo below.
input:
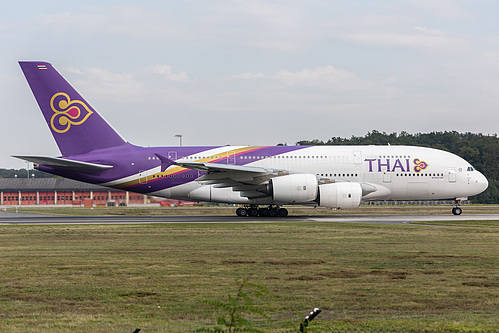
(419, 165)
(395, 165)
(67, 112)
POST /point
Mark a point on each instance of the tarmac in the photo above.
(10, 218)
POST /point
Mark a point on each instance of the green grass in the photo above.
(115, 278)
(463, 223)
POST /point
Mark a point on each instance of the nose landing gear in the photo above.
(254, 210)
(456, 210)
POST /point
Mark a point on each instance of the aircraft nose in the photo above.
(481, 182)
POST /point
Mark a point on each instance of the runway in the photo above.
(7, 218)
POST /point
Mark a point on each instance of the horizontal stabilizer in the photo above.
(62, 163)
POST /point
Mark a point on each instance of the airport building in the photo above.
(62, 191)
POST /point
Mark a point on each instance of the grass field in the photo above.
(115, 278)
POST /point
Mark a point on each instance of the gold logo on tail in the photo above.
(67, 112)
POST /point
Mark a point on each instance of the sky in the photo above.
(254, 72)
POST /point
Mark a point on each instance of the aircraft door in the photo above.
(231, 157)
(387, 177)
(452, 176)
(142, 176)
(357, 157)
(172, 155)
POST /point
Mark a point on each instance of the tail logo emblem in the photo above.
(67, 112)
(419, 165)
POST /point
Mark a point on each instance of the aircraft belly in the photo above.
(417, 190)
(194, 191)
(201, 193)
(180, 192)
(398, 189)
(227, 195)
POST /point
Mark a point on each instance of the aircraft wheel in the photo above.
(282, 212)
(241, 212)
(263, 212)
(457, 210)
(252, 212)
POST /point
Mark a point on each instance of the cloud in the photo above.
(166, 71)
(443, 9)
(115, 87)
(268, 25)
(245, 24)
(321, 77)
(423, 38)
(248, 75)
(428, 31)
(125, 20)
(74, 70)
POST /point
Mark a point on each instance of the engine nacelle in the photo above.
(296, 188)
(340, 195)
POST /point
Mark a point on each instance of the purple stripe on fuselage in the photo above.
(187, 175)
(131, 160)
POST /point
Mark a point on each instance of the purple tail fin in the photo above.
(76, 126)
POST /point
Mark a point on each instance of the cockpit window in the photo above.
(470, 168)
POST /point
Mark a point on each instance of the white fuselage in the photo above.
(397, 173)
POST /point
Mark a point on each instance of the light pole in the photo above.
(179, 136)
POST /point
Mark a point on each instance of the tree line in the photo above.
(482, 151)
(24, 173)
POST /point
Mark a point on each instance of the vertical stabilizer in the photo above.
(76, 126)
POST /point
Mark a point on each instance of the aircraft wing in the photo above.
(215, 167)
(244, 179)
(63, 163)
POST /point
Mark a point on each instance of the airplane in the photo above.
(261, 179)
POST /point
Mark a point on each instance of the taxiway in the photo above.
(23, 218)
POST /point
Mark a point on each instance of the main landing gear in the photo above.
(254, 210)
(456, 210)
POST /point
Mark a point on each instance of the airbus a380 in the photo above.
(261, 179)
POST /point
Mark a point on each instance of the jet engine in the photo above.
(295, 188)
(304, 188)
(340, 195)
